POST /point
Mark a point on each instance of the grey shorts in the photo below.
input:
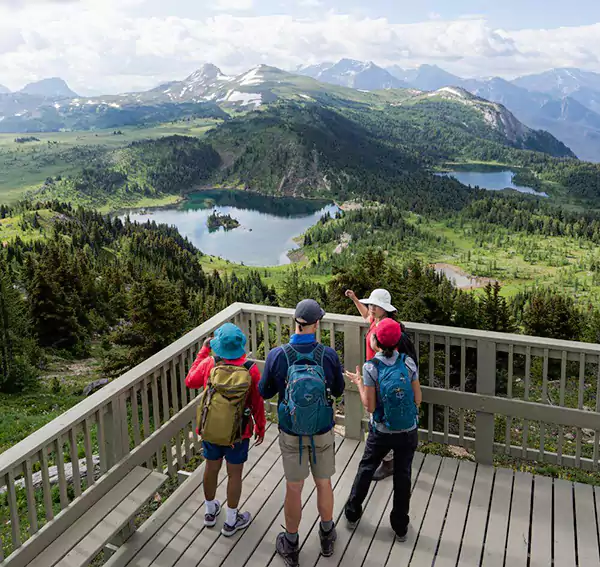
(321, 463)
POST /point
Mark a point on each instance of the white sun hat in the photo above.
(380, 298)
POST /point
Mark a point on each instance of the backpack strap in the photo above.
(291, 355)
(319, 354)
(217, 360)
(248, 365)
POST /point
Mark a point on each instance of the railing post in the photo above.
(486, 384)
(113, 432)
(243, 323)
(353, 408)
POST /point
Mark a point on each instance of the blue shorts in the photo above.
(236, 455)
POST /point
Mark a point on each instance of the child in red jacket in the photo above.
(229, 348)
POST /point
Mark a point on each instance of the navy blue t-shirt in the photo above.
(274, 376)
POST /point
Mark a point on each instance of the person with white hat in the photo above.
(376, 308)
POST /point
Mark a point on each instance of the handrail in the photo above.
(35, 442)
(442, 330)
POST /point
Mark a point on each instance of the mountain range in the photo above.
(565, 102)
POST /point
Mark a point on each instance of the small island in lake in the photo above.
(217, 220)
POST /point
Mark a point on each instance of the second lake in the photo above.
(491, 180)
(267, 229)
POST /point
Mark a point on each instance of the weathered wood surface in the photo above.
(461, 513)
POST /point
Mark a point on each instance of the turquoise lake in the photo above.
(268, 225)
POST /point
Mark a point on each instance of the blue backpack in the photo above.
(306, 409)
(397, 409)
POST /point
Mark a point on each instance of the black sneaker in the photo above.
(288, 552)
(210, 520)
(327, 541)
(351, 524)
(401, 535)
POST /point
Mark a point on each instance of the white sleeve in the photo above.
(413, 371)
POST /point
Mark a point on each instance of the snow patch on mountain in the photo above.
(245, 99)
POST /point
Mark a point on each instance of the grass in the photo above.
(25, 166)
(518, 261)
(272, 276)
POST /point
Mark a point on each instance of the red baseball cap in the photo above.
(388, 333)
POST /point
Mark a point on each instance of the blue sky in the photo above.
(507, 14)
(110, 46)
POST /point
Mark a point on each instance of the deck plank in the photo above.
(89, 547)
(541, 533)
(272, 485)
(265, 551)
(402, 552)
(179, 508)
(432, 526)
(382, 543)
(447, 554)
(365, 531)
(84, 525)
(449, 515)
(194, 538)
(495, 541)
(564, 532)
(310, 552)
(183, 526)
(474, 537)
(518, 529)
(587, 528)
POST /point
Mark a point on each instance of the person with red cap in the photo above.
(390, 391)
(376, 308)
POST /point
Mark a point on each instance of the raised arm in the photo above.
(362, 309)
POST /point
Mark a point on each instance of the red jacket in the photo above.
(200, 372)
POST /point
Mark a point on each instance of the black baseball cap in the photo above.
(308, 312)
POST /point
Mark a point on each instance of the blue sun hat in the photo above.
(229, 342)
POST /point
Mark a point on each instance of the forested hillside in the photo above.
(327, 147)
(137, 286)
(151, 168)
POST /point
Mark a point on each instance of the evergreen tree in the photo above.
(156, 319)
(548, 314)
(494, 313)
(16, 371)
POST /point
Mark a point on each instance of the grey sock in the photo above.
(327, 526)
(292, 538)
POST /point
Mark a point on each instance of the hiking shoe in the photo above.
(211, 519)
(241, 523)
(386, 468)
(288, 552)
(401, 536)
(327, 541)
(351, 524)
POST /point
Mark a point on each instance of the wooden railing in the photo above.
(489, 393)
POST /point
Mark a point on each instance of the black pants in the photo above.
(377, 447)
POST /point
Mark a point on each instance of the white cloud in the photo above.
(119, 45)
(233, 5)
(310, 3)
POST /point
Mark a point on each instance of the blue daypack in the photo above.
(306, 409)
(397, 409)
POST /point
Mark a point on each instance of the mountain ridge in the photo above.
(52, 87)
(209, 92)
(353, 74)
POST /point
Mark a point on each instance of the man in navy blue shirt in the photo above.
(301, 453)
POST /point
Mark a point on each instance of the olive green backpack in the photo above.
(220, 414)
